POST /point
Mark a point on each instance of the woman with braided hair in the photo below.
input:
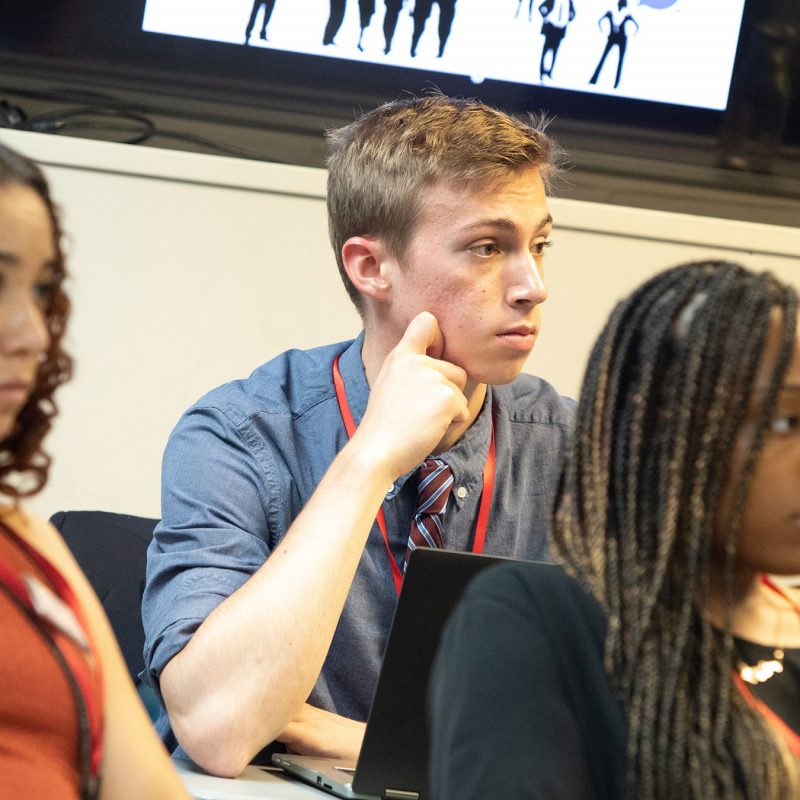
(623, 672)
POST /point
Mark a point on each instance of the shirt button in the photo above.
(461, 492)
(391, 489)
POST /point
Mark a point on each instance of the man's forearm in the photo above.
(244, 674)
(251, 665)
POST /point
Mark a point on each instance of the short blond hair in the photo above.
(380, 165)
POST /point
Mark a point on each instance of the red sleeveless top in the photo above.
(40, 737)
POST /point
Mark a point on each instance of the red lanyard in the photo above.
(486, 494)
(789, 736)
(90, 695)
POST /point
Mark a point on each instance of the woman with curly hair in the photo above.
(71, 725)
(627, 671)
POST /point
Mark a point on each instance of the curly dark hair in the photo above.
(663, 400)
(24, 465)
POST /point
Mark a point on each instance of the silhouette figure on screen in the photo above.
(366, 8)
(530, 9)
(334, 21)
(422, 10)
(556, 15)
(268, 6)
(617, 18)
(390, 22)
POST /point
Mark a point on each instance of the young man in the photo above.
(271, 584)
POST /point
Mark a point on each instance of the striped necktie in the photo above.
(435, 483)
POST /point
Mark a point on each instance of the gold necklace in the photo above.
(765, 669)
(762, 671)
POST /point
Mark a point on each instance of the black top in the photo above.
(782, 691)
(519, 703)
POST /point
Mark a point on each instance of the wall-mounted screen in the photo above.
(661, 66)
(678, 52)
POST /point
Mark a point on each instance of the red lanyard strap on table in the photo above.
(21, 596)
(486, 495)
(787, 734)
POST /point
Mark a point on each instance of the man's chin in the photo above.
(497, 374)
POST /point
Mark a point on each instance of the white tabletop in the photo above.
(268, 783)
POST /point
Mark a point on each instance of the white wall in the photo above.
(189, 270)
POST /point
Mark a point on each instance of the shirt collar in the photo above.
(355, 378)
(466, 458)
(468, 455)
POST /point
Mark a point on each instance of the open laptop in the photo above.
(394, 756)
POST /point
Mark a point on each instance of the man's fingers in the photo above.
(463, 414)
(436, 348)
(423, 336)
(453, 373)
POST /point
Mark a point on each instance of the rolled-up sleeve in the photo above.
(214, 533)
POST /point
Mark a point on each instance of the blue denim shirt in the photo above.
(242, 462)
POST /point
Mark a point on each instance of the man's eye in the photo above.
(485, 250)
(539, 247)
(786, 424)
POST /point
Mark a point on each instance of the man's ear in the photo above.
(363, 258)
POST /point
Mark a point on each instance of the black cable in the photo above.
(41, 122)
(11, 116)
(137, 137)
(70, 119)
(142, 130)
(227, 149)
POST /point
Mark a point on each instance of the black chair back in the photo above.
(112, 551)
